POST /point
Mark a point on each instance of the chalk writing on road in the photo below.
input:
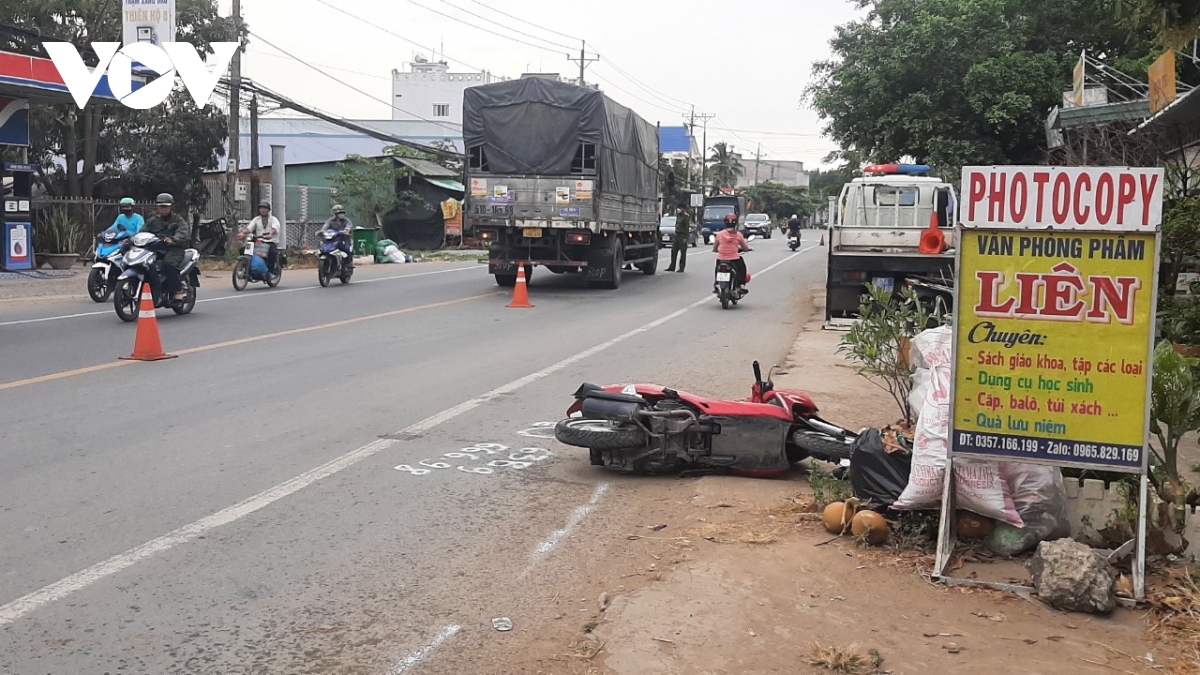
(493, 455)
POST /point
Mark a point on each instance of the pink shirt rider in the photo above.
(730, 245)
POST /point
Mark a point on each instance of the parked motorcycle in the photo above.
(333, 261)
(143, 261)
(251, 266)
(648, 428)
(110, 262)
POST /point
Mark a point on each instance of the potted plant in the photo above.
(59, 238)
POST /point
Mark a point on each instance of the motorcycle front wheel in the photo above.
(126, 300)
(276, 275)
(599, 434)
(241, 274)
(323, 273)
(97, 285)
(822, 446)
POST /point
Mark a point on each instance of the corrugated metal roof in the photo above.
(674, 139)
(427, 169)
(313, 141)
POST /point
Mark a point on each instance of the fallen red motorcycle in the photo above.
(648, 428)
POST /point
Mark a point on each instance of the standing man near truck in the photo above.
(683, 234)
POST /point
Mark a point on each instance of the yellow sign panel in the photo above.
(1162, 83)
(1052, 347)
(1079, 75)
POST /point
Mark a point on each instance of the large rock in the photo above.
(1072, 576)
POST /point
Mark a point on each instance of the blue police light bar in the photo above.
(898, 169)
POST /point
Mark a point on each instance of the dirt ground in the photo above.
(728, 575)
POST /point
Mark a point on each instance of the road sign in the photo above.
(1054, 336)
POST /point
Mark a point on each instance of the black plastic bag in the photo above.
(878, 477)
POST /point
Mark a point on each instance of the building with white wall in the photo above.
(428, 90)
(784, 172)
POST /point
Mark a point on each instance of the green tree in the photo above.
(371, 185)
(780, 201)
(169, 149)
(1175, 23)
(677, 186)
(93, 143)
(724, 168)
(957, 82)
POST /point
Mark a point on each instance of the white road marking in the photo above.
(543, 549)
(58, 590)
(419, 655)
(240, 296)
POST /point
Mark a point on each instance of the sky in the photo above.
(746, 62)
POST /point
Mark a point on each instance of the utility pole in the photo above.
(704, 151)
(255, 183)
(757, 161)
(690, 127)
(235, 131)
(583, 60)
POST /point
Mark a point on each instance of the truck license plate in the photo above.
(723, 276)
(884, 283)
(532, 233)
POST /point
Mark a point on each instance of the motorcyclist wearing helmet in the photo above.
(127, 220)
(175, 233)
(794, 225)
(729, 245)
(340, 223)
(265, 227)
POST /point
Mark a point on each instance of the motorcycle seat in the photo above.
(588, 390)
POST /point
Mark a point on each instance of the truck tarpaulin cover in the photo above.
(535, 126)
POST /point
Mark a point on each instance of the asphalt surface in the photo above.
(279, 498)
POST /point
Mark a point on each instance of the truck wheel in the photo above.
(617, 262)
(649, 268)
(506, 280)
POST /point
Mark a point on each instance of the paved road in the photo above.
(280, 499)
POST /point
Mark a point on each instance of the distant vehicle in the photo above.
(716, 208)
(666, 232)
(878, 235)
(757, 223)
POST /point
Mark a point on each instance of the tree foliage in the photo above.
(724, 168)
(780, 201)
(80, 150)
(957, 82)
(1175, 23)
(371, 185)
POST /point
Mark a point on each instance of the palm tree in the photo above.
(724, 167)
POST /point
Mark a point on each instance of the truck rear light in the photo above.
(854, 276)
(487, 235)
(579, 238)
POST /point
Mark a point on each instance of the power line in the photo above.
(323, 65)
(467, 11)
(394, 33)
(468, 23)
(638, 82)
(517, 18)
(350, 86)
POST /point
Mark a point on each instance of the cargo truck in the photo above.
(561, 177)
(891, 228)
(716, 207)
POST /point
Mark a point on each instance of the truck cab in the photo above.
(716, 208)
(876, 236)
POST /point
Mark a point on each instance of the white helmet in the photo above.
(793, 215)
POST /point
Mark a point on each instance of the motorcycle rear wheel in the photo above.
(98, 287)
(185, 306)
(598, 434)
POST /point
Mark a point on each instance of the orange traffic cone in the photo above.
(521, 291)
(147, 346)
(933, 242)
(822, 239)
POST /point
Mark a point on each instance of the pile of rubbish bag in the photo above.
(1028, 502)
(387, 251)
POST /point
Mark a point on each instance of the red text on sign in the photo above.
(1062, 295)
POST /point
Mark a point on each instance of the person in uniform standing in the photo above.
(683, 235)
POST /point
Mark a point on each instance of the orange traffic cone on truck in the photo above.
(521, 291)
(147, 346)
